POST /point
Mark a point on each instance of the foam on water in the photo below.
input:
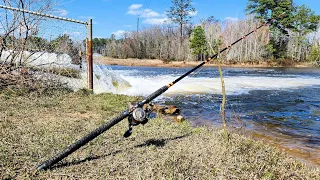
(105, 80)
(234, 85)
(129, 83)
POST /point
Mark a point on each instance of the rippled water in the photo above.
(283, 103)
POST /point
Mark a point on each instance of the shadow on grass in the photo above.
(160, 142)
(155, 142)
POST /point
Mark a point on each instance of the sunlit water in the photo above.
(283, 103)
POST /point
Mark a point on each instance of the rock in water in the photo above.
(179, 119)
(171, 110)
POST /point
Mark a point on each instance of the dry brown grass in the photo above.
(35, 128)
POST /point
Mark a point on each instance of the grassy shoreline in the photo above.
(35, 128)
(174, 64)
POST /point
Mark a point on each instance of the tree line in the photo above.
(191, 42)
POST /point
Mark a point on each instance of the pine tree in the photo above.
(298, 19)
(198, 42)
(180, 13)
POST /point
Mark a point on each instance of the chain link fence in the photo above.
(41, 51)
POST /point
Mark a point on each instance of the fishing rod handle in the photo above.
(81, 142)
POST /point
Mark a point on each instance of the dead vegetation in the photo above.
(23, 81)
(35, 128)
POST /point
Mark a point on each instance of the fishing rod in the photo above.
(137, 114)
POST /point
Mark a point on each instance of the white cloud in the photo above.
(231, 19)
(135, 9)
(193, 13)
(157, 21)
(135, 6)
(61, 12)
(133, 12)
(147, 13)
(119, 33)
(151, 17)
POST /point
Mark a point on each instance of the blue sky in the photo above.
(117, 16)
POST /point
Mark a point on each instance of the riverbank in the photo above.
(160, 63)
(35, 128)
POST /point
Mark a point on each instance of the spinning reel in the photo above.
(138, 116)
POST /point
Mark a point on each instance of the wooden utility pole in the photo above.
(89, 55)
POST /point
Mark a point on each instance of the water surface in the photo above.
(282, 103)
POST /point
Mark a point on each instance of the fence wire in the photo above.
(41, 52)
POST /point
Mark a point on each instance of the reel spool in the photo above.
(138, 116)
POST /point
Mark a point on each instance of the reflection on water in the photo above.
(280, 103)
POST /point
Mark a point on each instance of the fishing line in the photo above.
(137, 114)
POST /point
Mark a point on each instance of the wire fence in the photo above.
(40, 51)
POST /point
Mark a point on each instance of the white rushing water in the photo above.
(234, 85)
(104, 80)
(127, 83)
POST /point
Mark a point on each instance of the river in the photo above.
(278, 105)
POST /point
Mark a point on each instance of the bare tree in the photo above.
(163, 42)
(21, 47)
(18, 28)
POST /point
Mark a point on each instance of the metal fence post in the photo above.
(89, 55)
